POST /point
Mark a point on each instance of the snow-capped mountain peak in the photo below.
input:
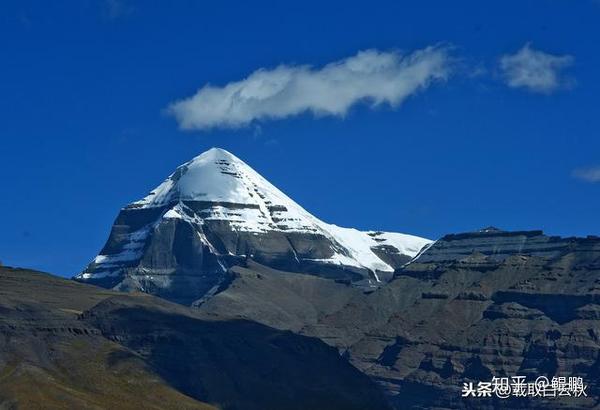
(219, 177)
(216, 207)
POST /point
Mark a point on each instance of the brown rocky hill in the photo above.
(67, 345)
(470, 307)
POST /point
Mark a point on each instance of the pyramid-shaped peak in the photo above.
(216, 153)
(214, 210)
(218, 176)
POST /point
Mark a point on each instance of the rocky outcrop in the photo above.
(493, 304)
(497, 245)
(470, 307)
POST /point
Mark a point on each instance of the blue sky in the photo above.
(85, 126)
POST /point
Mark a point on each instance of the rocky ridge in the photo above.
(470, 307)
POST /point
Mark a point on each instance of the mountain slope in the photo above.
(214, 212)
(51, 359)
(478, 305)
(470, 307)
(67, 345)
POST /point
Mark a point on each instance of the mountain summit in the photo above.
(215, 212)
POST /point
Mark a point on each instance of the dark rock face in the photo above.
(471, 307)
(183, 261)
(496, 244)
(494, 304)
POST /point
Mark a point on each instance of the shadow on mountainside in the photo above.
(237, 364)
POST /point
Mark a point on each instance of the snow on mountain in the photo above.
(219, 176)
(228, 203)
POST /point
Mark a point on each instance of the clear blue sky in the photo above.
(83, 128)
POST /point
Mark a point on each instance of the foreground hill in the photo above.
(67, 345)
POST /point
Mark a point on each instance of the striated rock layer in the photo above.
(479, 305)
(213, 213)
(470, 307)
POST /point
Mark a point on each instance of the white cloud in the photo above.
(535, 70)
(591, 174)
(372, 76)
